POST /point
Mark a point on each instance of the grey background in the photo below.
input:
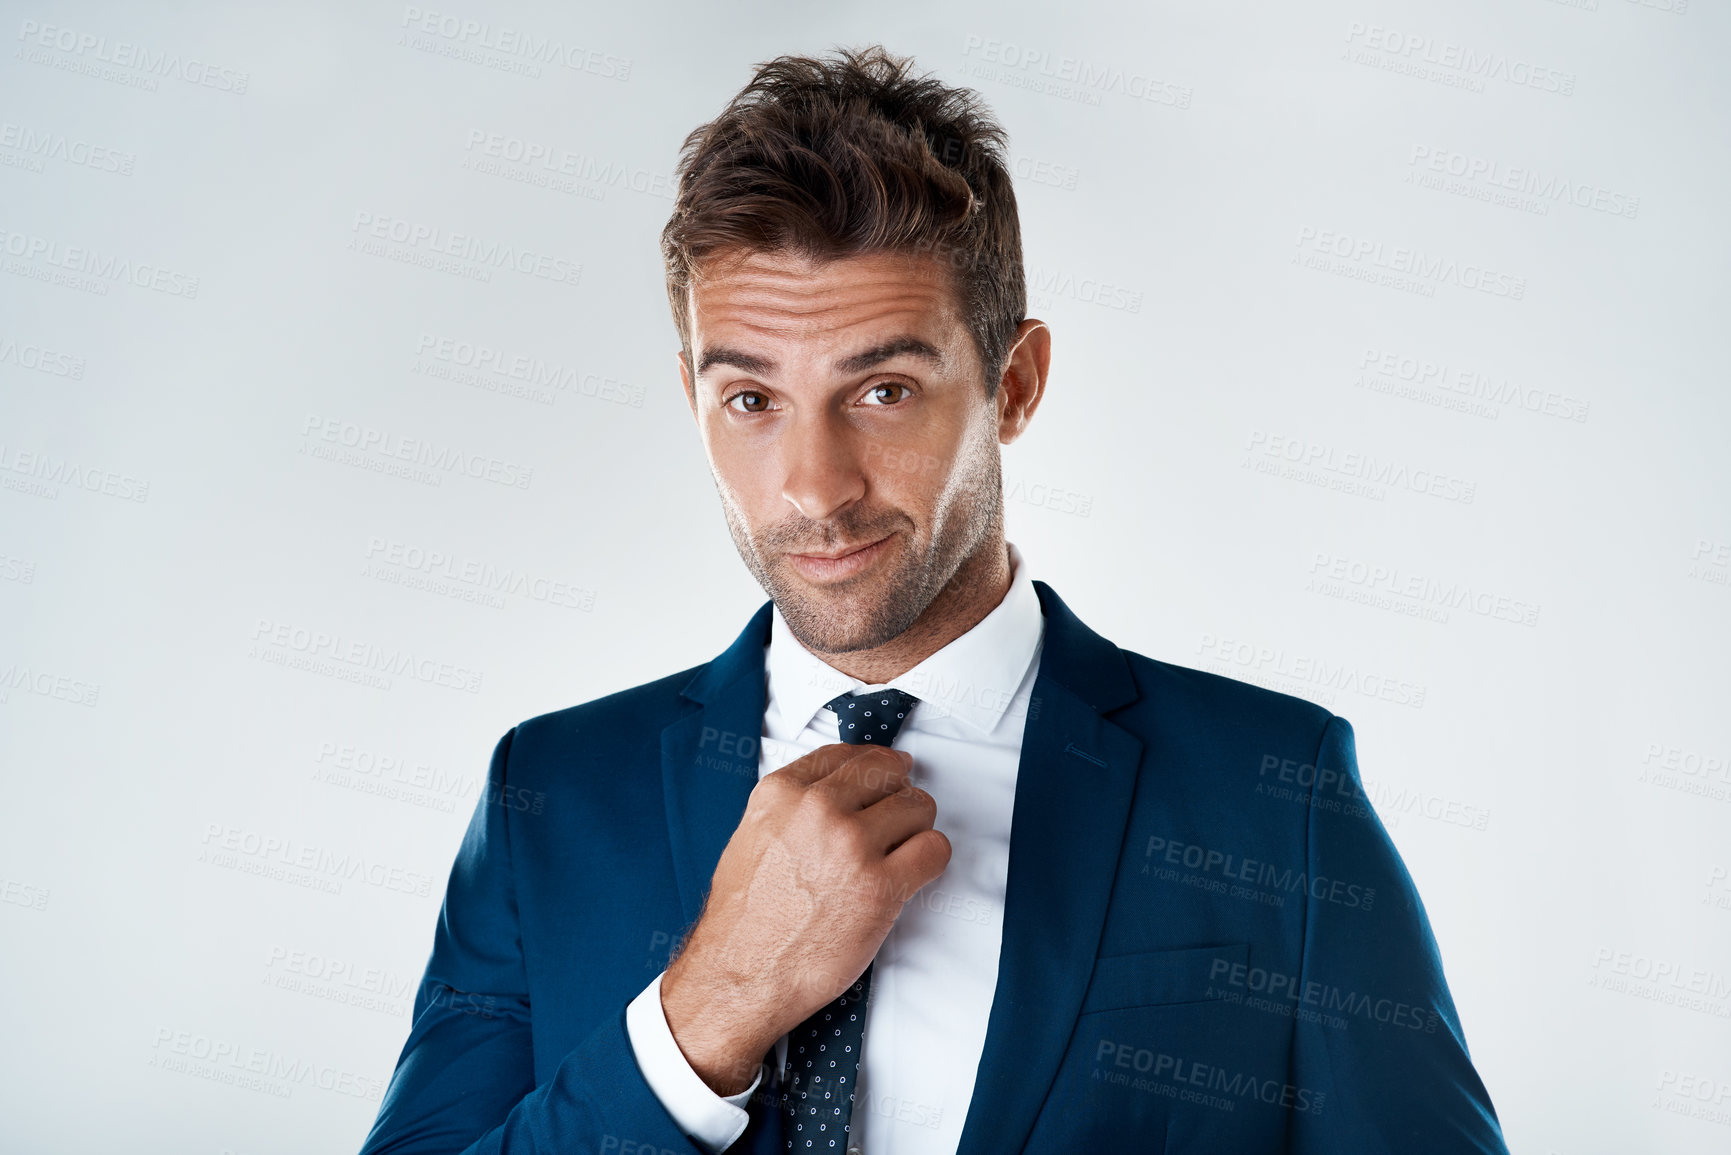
(180, 799)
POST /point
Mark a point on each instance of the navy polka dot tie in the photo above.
(875, 716)
(823, 1052)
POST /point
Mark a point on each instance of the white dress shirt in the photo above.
(934, 976)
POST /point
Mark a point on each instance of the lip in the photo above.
(820, 567)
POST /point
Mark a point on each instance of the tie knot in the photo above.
(874, 717)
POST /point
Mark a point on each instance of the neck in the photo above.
(977, 589)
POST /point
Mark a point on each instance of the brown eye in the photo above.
(876, 390)
(749, 408)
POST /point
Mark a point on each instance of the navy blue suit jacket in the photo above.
(1210, 944)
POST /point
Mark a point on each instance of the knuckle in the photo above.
(917, 802)
(852, 841)
(879, 758)
(772, 791)
(777, 782)
(815, 805)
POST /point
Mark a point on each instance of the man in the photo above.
(946, 870)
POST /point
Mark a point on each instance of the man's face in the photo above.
(844, 411)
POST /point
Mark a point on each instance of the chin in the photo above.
(830, 619)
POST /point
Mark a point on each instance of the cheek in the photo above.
(904, 474)
(742, 480)
(930, 465)
(751, 484)
(923, 457)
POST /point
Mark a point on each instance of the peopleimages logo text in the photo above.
(1412, 262)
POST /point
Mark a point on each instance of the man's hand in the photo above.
(830, 848)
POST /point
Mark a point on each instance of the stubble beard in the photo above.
(872, 609)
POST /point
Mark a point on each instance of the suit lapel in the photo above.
(1073, 791)
(709, 760)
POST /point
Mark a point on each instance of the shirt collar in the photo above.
(973, 678)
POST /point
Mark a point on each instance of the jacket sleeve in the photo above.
(465, 1081)
(1377, 1042)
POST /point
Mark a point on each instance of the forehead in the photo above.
(783, 298)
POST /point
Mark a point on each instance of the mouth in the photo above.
(837, 565)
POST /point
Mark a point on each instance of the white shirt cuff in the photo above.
(713, 1120)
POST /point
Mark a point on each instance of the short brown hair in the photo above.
(849, 155)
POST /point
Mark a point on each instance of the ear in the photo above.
(1024, 379)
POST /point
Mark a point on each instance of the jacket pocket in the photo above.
(1160, 977)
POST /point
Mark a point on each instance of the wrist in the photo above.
(722, 1033)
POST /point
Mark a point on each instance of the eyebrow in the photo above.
(903, 346)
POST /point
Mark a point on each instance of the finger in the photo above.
(872, 773)
(891, 821)
(819, 764)
(917, 861)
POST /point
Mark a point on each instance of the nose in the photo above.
(820, 465)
